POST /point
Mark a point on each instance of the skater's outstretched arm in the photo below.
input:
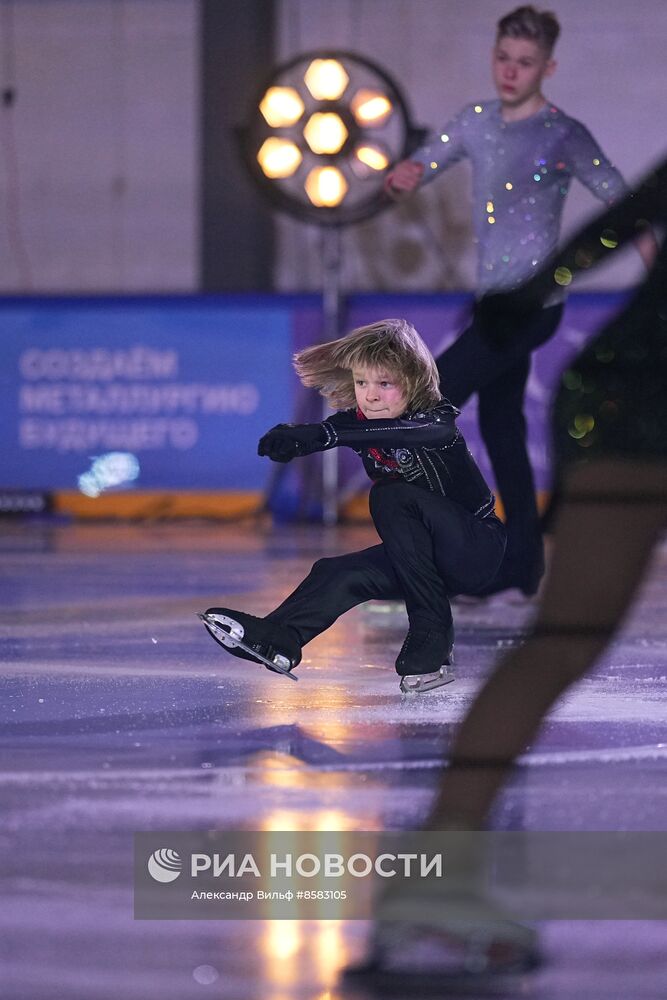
(434, 429)
(625, 220)
(628, 219)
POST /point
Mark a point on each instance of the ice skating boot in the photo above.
(485, 952)
(425, 660)
(257, 639)
(447, 936)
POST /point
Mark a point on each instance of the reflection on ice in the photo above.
(106, 731)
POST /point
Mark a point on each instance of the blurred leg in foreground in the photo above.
(611, 517)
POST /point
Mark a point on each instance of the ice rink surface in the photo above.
(119, 714)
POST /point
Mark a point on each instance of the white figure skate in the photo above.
(230, 633)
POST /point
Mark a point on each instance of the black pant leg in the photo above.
(333, 586)
(436, 548)
(465, 365)
(499, 373)
(503, 428)
(475, 359)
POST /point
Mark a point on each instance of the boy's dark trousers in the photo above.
(498, 373)
(431, 549)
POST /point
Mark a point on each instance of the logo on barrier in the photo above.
(165, 865)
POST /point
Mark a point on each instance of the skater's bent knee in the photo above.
(331, 566)
(355, 572)
(323, 565)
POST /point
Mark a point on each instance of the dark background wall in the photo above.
(237, 51)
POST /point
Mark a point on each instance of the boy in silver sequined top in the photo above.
(524, 153)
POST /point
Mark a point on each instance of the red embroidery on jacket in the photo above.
(377, 453)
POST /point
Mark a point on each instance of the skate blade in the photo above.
(420, 683)
(231, 639)
(374, 979)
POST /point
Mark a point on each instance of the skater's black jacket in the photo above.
(424, 448)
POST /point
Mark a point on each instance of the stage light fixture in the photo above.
(348, 122)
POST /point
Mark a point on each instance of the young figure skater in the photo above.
(429, 502)
(610, 435)
(524, 153)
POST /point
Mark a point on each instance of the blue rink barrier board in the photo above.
(188, 384)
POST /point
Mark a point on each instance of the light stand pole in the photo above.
(331, 312)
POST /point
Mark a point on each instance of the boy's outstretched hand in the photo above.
(403, 179)
(287, 441)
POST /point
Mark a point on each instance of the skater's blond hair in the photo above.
(390, 345)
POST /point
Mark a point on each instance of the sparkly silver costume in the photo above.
(521, 174)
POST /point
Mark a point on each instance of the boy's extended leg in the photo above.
(333, 586)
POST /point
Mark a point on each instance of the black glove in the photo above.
(287, 441)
